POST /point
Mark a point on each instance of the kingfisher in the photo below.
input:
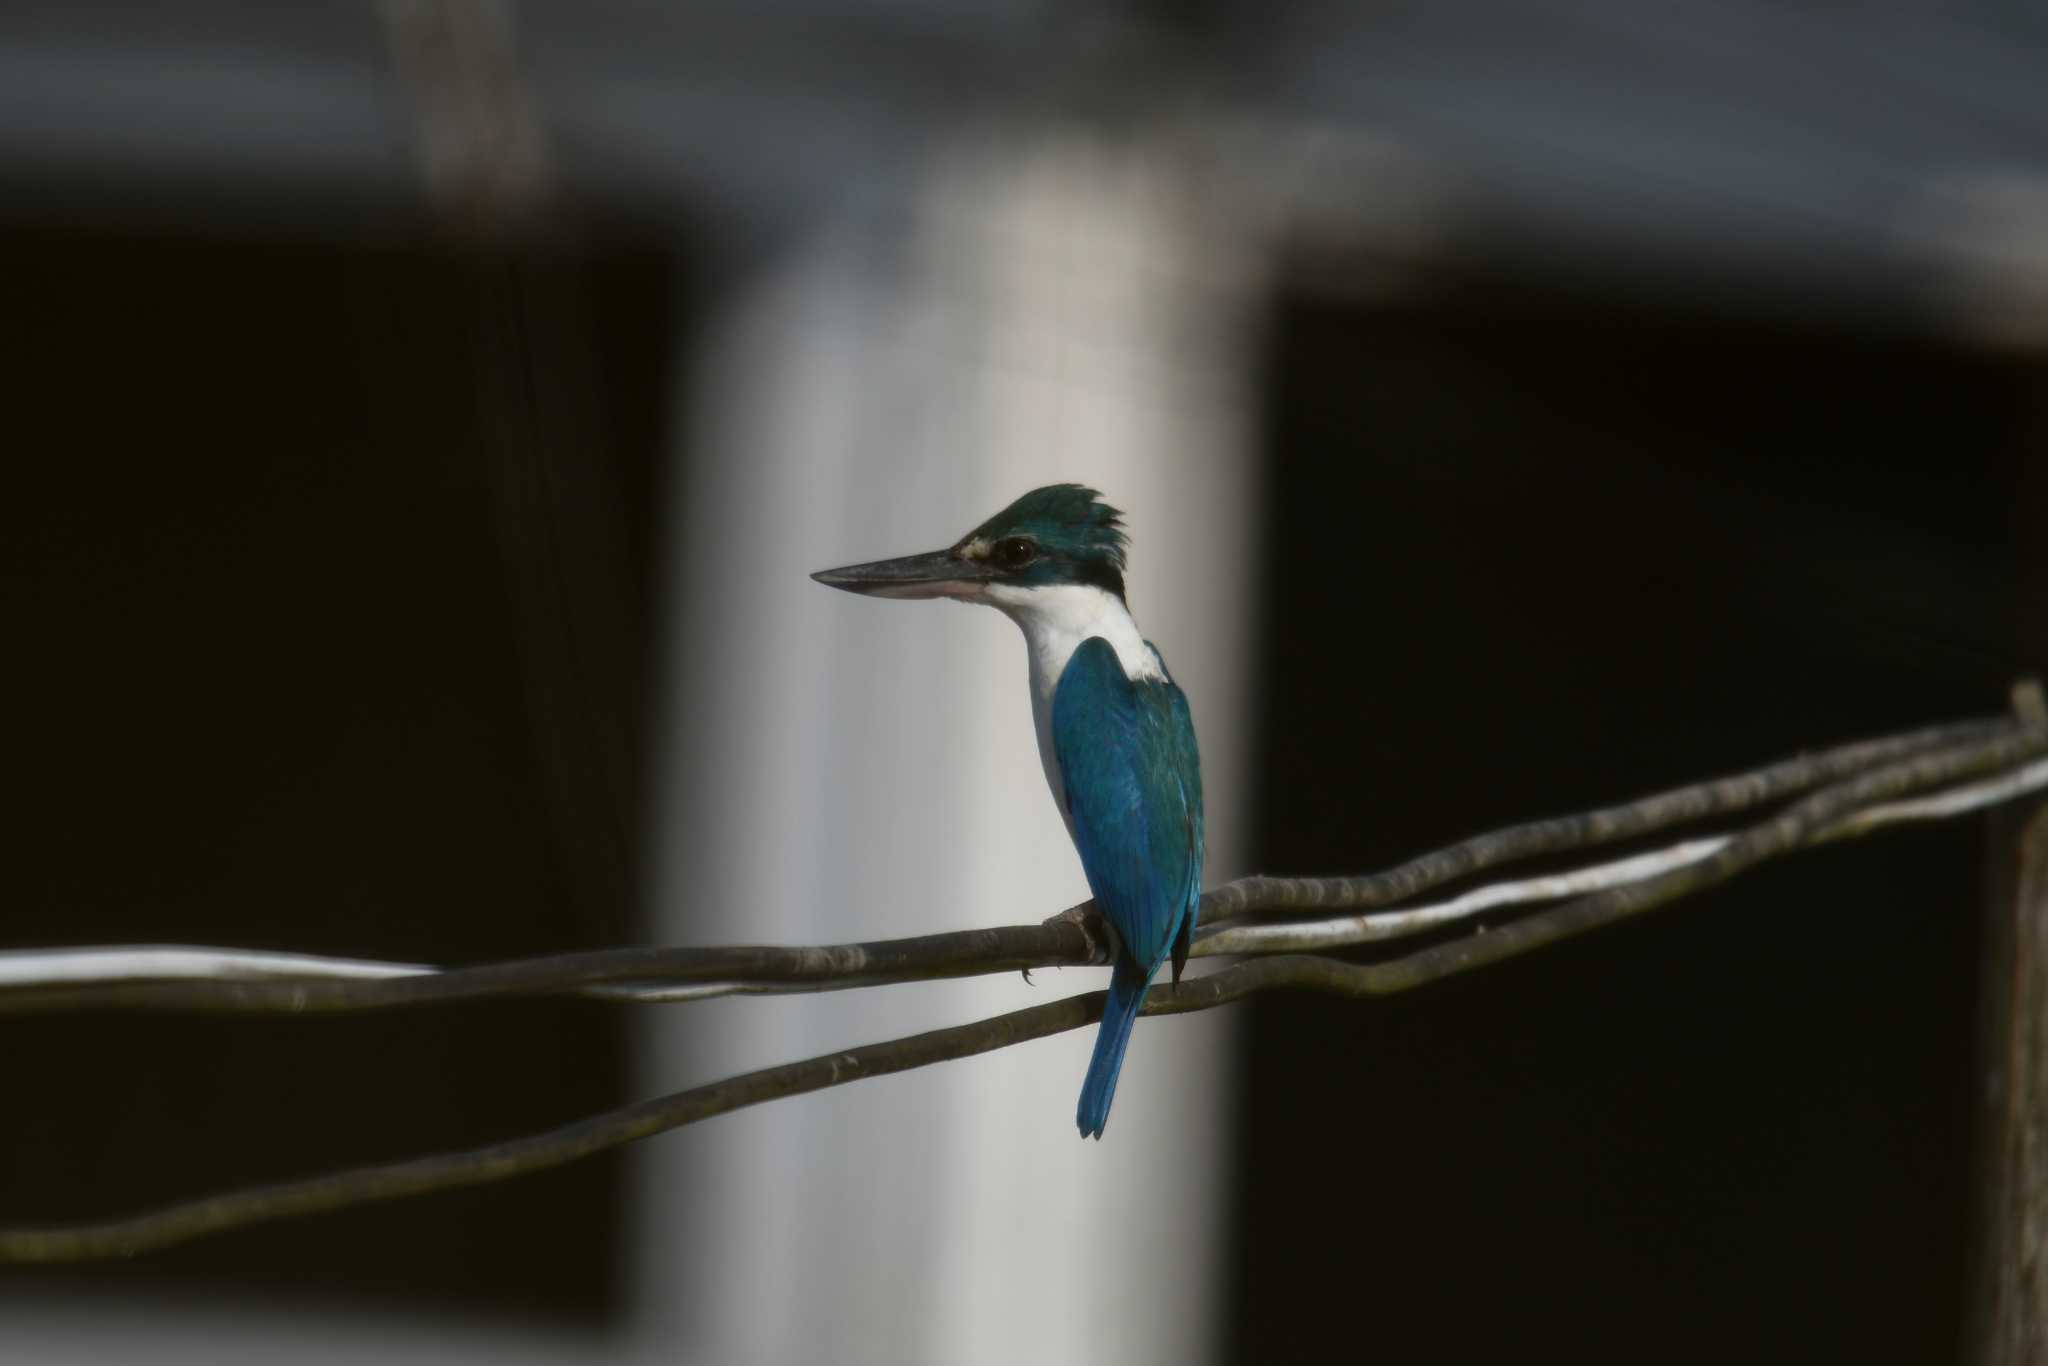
(1114, 733)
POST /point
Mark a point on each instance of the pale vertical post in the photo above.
(1056, 305)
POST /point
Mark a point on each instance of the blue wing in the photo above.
(1133, 783)
(1134, 790)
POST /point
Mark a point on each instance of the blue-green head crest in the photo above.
(1060, 534)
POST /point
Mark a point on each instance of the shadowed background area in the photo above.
(1632, 547)
(299, 663)
(422, 421)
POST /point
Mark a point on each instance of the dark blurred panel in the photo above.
(327, 578)
(1532, 554)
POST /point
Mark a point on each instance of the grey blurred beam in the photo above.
(1735, 150)
(699, 117)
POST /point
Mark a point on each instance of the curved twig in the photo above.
(1324, 933)
(1560, 834)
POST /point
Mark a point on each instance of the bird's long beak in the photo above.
(940, 574)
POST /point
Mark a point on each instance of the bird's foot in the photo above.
(1103, 944)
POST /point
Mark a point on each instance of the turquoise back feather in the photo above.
(1133, 783)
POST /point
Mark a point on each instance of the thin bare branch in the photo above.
(20, 968)
(1322, 934)
(1238, 935)
(958, 953)
(250, 982)
(1561, 834)
(1797, 824)
(1955, 801)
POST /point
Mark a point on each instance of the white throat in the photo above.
(1055, 620)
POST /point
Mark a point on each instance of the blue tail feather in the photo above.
(1119, 1013)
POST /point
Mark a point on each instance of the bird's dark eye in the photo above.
(1013, 552)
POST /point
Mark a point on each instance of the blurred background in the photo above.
(423, 418)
